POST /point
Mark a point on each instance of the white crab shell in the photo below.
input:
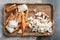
(9, 29)
(42, 30)
(50, 30)
(30, 26)
(20, 31)
(30, 18)
(38, 14)
(34, 30)
(13, 23)
(22, 8)
(43, 16)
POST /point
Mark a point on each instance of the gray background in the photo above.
(55, 36)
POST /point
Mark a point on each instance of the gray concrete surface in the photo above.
(55, 36)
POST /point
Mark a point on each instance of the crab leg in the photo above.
(19, 17)
(23, 22)
(11, 16)
(26, 13)
(12, 7)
